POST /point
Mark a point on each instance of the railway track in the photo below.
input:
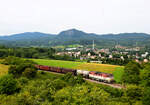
(112, 85)
(118, 86)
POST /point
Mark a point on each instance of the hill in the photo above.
(74, 36)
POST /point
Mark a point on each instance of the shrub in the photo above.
(73, 80)
(25, 69)
(146, 96)
(23, 80)
(11, 60)
(131, 73)
(29, 72)
(133, 92)
(145, 76)
(8, 85)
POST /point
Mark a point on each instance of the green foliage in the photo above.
(133, 92)
(81, 94)
(38, 53)
(8, 99)
(23, 80)
(73, 80)
(24, 69)
(112, 91)
(58, 84)
(131, 73)
(11, 60)
(118, 73)
(8, 85)
(145, 76)
(52, 89)
(146, 96)
(29, 72)
(21, 67)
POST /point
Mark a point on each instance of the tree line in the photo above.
(32, 52)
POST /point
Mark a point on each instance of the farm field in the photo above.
(57, 63)
(3, 69)
(98, 67)
(79, 65)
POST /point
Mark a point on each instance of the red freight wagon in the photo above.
(50, 68)
(68, 71)
(58, 70)
(37, 66)
(44, 68)
(54, 69)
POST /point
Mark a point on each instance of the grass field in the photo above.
(98, 67)
(3, 69)
(118, 74)
(79, 65)
(57, 63)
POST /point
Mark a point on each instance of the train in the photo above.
(94, 75)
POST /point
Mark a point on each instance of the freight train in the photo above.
(98, 76)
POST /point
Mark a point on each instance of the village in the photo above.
(106, 55)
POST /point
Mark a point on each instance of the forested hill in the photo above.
(74, 36)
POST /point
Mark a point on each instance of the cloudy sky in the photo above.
(95, 16)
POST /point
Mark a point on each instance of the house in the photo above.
(145, 60)
(110, 56)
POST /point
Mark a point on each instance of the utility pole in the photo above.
(93, 45)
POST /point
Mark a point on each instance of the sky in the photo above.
(92, 16)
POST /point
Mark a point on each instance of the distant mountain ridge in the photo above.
(74, 36)
(26, 35)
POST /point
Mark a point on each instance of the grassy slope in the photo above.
(79, 65)
(3, 69)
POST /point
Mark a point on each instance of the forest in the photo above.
(32, 52)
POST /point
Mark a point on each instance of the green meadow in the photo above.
(113, 69)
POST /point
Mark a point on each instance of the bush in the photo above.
(11, 60)
(15, 70)
(23, 80)
(25, 69)
(79, 79)
(146, 96)
(29, 72)
(131, 73)
(8, 85)
(133, 92)
(73, 80)
(58, 84)
(145, 76)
